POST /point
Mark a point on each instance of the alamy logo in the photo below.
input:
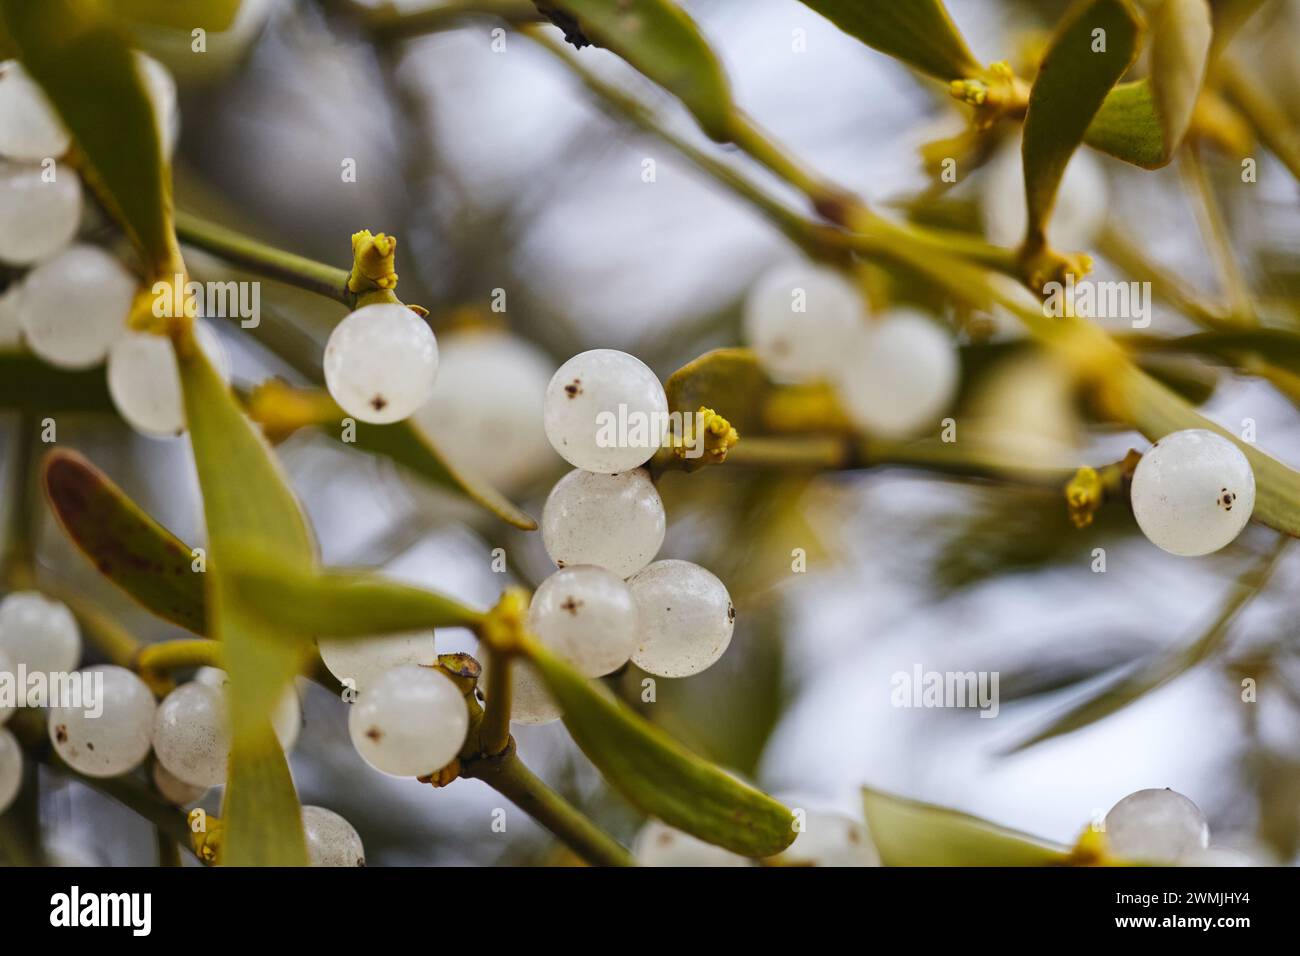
(79, 690)
(1099, 300)
(74, 908)
(222, 300)
(629, 429)
(922, 688)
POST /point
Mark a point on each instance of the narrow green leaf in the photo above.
(1280, 347)
(660, 40)
(1156, 412)
(124, 543)
(1180, 46)
(30, 385)
(918, 32)
(659, 775)
(87, 69)
(1128, 128)
(341, 603)
(911, 833)
(247, 503)
(213, 15)
(405, 444)
(730, 381)
(1077, 73)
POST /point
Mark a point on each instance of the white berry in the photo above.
(660, 845)
(1155, 826)
(11, 768)
(191, 734)
(797, 319)
(1193, 492)
(605, 411)
(331, 840)
(114, 735)
(830, 839)
(286, 718)
(75, 305)
(380, 363)
(39, 633)
(30, 129)
(1081, 201)
(38, 216)
(686, 618)
(145, 384)
(173, 789)
(615, 522)
(587, 616)
(362, 660)
(485, 407)
(898, 378)
(411, 721)
(530, 702)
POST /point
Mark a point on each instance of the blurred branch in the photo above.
(1267, 119)
(390, 23)
(1214, 229)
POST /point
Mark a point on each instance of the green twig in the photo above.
(265, 260)
(507, 775)
(494, 731)
(390, 23)
(1214, 229)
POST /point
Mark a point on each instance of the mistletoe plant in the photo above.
(859, 373)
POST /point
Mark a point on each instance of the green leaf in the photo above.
(918, 32)
(730, 381)
(1156, 412)
(1074, 79)
(28, 384)
(405, 444)
(213, 15)
(1136, 682)
(911, 833)
(341, 603)
(247, 503)
(124, 543)
(661, 41)
(1280, 347)
(659, 775)
(88, 71)
(1144, 121)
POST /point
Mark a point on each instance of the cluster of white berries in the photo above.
(71, 307)
(603, 525)
(1193, 492)
(823, 839)
(894, 374)
(1163, 826)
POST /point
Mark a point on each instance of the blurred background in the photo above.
(496, 170)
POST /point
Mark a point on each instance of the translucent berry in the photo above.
(615, 522)
(380, 363)
(587, 616)
(30, 129)
(112, 736)
(605, 411)
(660, 845)
(898, 378)
(829, 839)
(1155, 826)
(686, 618)
(39, 633)
(1217, 856)
(191, 734)
(331, 840)
(1081, 202)
(485, 407)
(173, 789)
(75, 305)
(362, 660)
(410, 722)
(145, 384)
(286, 718)
(797, 319)
(1193, 492)
(11, 768)
(38, 216)
(530, 702)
